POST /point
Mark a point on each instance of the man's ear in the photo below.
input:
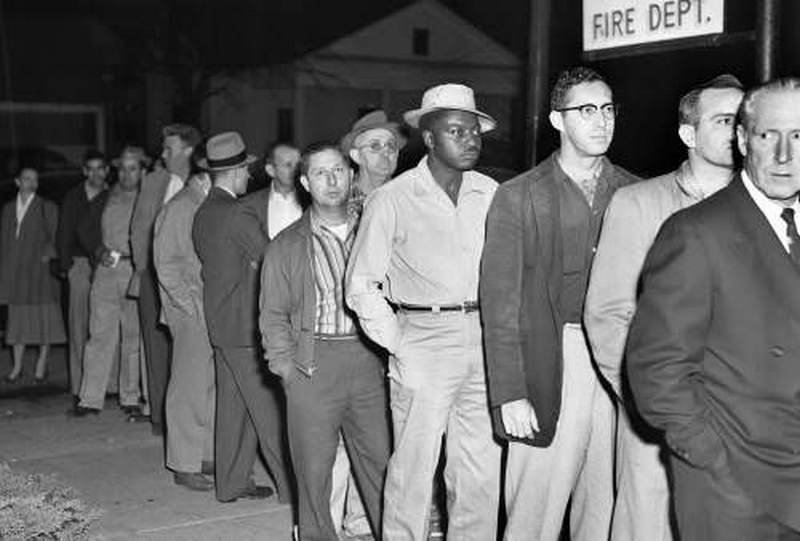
(687, 133)
(427, 138)
(355, 155)
(270, 170)
(741, 139)
(556, 120)
(304, 183)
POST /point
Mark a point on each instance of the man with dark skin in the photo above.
(422, 235)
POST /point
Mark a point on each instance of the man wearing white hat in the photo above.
(230, 247)
(422, 236)
(549, 404)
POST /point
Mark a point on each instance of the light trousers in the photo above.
(191, 396)
(642, 507)
(438, 386)
(578, 464)
(113, 322)
(347, 509)
(80, 284)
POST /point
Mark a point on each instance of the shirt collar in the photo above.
(318, 227)
(688, 183)
(425, 183)
(26, 203)
(273, 193)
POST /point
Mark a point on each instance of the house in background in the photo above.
(387, 64)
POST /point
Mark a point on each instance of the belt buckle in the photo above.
(436, 308)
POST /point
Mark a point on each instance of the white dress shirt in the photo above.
(283, 210)
(22, 208)
(174, 186)
(771, 210)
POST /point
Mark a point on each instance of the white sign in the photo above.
(618, 23)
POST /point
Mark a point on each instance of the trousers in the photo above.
(438, 387)
(80, 284)
(578, 464)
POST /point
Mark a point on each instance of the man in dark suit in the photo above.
(157, 188)
(230, 244)
(714, 348)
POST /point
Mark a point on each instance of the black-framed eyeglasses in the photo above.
(588, 110)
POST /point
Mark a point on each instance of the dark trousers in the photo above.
(248, 414)
(156, 347)
(346, 393)
(713, 507)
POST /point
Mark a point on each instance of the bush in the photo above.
(36, 507)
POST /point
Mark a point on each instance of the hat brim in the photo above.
(202, 163)
(486, 122)
(347, 142)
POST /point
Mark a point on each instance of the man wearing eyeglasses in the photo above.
(374, 144)
(546, 398)
(421, 236)
(332, 374)
(707, 114)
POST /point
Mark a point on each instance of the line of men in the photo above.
(633, 342)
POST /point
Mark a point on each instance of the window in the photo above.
(420, 41)
(286, 124)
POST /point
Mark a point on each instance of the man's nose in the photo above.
(783, 150)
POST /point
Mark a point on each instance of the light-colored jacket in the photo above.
(175, 259)
(630, 226)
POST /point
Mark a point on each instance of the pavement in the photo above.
(119, 467)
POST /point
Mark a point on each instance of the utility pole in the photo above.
(767, 39)
(536, 76)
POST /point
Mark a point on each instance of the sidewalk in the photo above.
(119, 467)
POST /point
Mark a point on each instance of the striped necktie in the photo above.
(791, 232)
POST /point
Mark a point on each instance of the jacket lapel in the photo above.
(547, 215)
(759, 243)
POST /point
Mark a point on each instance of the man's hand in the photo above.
(519, 418)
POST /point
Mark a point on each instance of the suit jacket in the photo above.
(630, 226)
(73, 208)
(521, 281)
(150, 200)
(175, 259)
(230, 245)
(714, 348)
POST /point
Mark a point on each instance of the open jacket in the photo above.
(288, 301)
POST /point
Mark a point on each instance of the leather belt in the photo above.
(468, 306)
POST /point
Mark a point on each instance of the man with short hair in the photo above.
(73, 260)
(230, 246)
(113, 321)
(190, 393)
(158, 187)
(547, 399)
(419, 248)
(283, 204)
(713, 352)
(332, 374)
(707, 114)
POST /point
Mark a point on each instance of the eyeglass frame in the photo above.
(376, 146)
(611, 115)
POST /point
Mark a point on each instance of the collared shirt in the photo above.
(116, 220)
(283, 211)
(174, 186)
(22, 209)
(422, 247)
(331, 247)
(771, 210)
(581, 216)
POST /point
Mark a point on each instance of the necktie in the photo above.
(791, 232)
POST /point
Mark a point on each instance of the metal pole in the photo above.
(767, 39)
(537, 78)
(12, 124)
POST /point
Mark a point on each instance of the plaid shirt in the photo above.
(331, 254)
